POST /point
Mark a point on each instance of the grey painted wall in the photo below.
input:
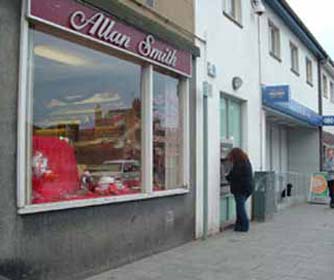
(303, 147)
(70, 244)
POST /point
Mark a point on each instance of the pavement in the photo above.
(297, 244)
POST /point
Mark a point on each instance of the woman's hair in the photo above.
(237, 155)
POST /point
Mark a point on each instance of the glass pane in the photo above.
(166, 132)
(223, 119)
(234, 123)
(85, 122)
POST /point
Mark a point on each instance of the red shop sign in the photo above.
(104, 28)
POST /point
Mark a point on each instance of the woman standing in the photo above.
(329, 167)
(241, 182)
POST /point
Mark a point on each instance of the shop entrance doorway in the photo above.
(230, 137)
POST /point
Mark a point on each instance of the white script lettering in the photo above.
(100, 26)
(145, 48)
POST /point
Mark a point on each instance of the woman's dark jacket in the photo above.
(241, 178)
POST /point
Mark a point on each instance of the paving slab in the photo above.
(297, 244)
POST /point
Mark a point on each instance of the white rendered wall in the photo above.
(327, 104)
(234, 52)
(279, 72)
(303, 155)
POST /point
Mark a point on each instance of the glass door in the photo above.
(230, 136)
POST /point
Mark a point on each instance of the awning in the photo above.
(277, 98)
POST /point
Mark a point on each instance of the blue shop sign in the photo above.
(290, 107)
(328, 120)
(276, 93)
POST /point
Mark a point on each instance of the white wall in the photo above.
(234, 52)
(279, 72)
(303, 155)
(327, 104)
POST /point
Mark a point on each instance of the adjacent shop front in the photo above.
(292, 139)
(103, 120)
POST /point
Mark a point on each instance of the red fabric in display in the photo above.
(63, 177)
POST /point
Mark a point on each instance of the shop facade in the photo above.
(290, 99)
(229, 104)
(97, 114)
(253, 54)
(327, 103)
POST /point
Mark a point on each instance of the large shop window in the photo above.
(166, 132)
(84, 125)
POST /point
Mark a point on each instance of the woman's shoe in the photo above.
(241, 229)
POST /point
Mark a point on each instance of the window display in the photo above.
(166, 132)
(85, 122)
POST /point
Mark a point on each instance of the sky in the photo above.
(318, 16)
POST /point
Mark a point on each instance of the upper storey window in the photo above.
(309, 72)
(331, 90)
(274, 41)
(232, 9)
(324, 86)
(294, 58)
(150, 3)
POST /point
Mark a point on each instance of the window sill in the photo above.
(275, 56)
(235, 21)
(37, 208)
(309, 83)
(295, 72)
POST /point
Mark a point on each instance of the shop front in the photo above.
(230, 137)
(103, 120)
(292, 140)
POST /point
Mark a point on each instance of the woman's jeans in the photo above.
(242, 222)
(331, 190)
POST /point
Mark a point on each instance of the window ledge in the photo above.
(37, 208)
(309, 83)
(235, 21)
(295, 72)
(275, 56)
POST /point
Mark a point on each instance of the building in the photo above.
(257, 84)
(228, 105)
(87, 182)
(327, 102)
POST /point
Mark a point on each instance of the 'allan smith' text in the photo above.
(103, 28)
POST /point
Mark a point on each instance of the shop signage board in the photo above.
(318, 189)
(71, 16)
(273, 98)
(328, 120)
(276, 93)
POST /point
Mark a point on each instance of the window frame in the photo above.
(228, 100)
(324, 86)
(331, 91)
(309, 71)
(235, 17)
(147, 3)
(24, 97)
(294, 58)
(274, 49)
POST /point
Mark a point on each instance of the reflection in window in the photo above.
(166, 132)
(85, 122)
